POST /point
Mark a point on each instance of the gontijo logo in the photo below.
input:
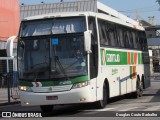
(110, 57)
(113, 57)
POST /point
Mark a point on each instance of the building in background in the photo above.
(153, 39)
(154, 46)
(9, 26)
(9, 20)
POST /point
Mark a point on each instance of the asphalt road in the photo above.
(123, 106)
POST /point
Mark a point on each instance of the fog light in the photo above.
(27, 103)
(83, 99)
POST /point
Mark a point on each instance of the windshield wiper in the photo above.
(61, 67)
(38, 69)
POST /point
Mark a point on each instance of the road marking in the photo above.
(90, 113)
(153, 108)
(105, 109)
(98, 110)
(127, 109)
(95, 111)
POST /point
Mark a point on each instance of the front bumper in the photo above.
(79, 95)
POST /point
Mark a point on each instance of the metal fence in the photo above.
(8, 80)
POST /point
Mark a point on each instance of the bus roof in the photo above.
(102, 10)
(57, 14)
(74, 14)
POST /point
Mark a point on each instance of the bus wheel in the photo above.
(141, 89)
(102, 103)
(46, 108)
(137, 93)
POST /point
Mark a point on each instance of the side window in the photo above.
(121, 38)
(117, 36)
(144, 42)
(138, 40)
(92, 26)
(103, 28)
(103, 32)
(134, 39)
(112, 34)
(105, 40)
(126, 39)
(141, 40)
(115, 39)
(108, 34)
(130, 39)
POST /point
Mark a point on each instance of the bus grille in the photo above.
(51, 89)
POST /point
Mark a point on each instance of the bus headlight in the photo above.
(25, 88)
(81, 84)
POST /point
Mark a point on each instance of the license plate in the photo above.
(51, 97)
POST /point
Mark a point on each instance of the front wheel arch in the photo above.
(107, 85)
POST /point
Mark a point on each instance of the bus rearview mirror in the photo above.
(87, 41)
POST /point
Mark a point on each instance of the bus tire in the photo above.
(141, 89)
(46, 108)
(136, 94)
(102, 103)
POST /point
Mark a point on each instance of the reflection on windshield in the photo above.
(65, 48)
(58, 57)
(34, 62)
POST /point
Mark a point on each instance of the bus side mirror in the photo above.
(87, 41)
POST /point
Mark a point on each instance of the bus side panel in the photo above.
(121, 69)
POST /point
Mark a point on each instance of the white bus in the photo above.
(81, 57)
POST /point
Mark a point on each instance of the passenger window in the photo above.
(103, 32)
(118, 37)
(130, 40)
(111, 35)
(120, 33)
(126, 39)
(134, 40)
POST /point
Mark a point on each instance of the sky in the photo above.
(143, 9)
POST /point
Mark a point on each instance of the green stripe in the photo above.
(140, 60)
(119, 57)
(132, 58)
(56, 83)
(139, 57)
(102, 57)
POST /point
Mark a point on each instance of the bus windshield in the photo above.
(51, 58)
(52, 26)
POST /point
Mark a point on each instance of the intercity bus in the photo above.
(113, 60)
